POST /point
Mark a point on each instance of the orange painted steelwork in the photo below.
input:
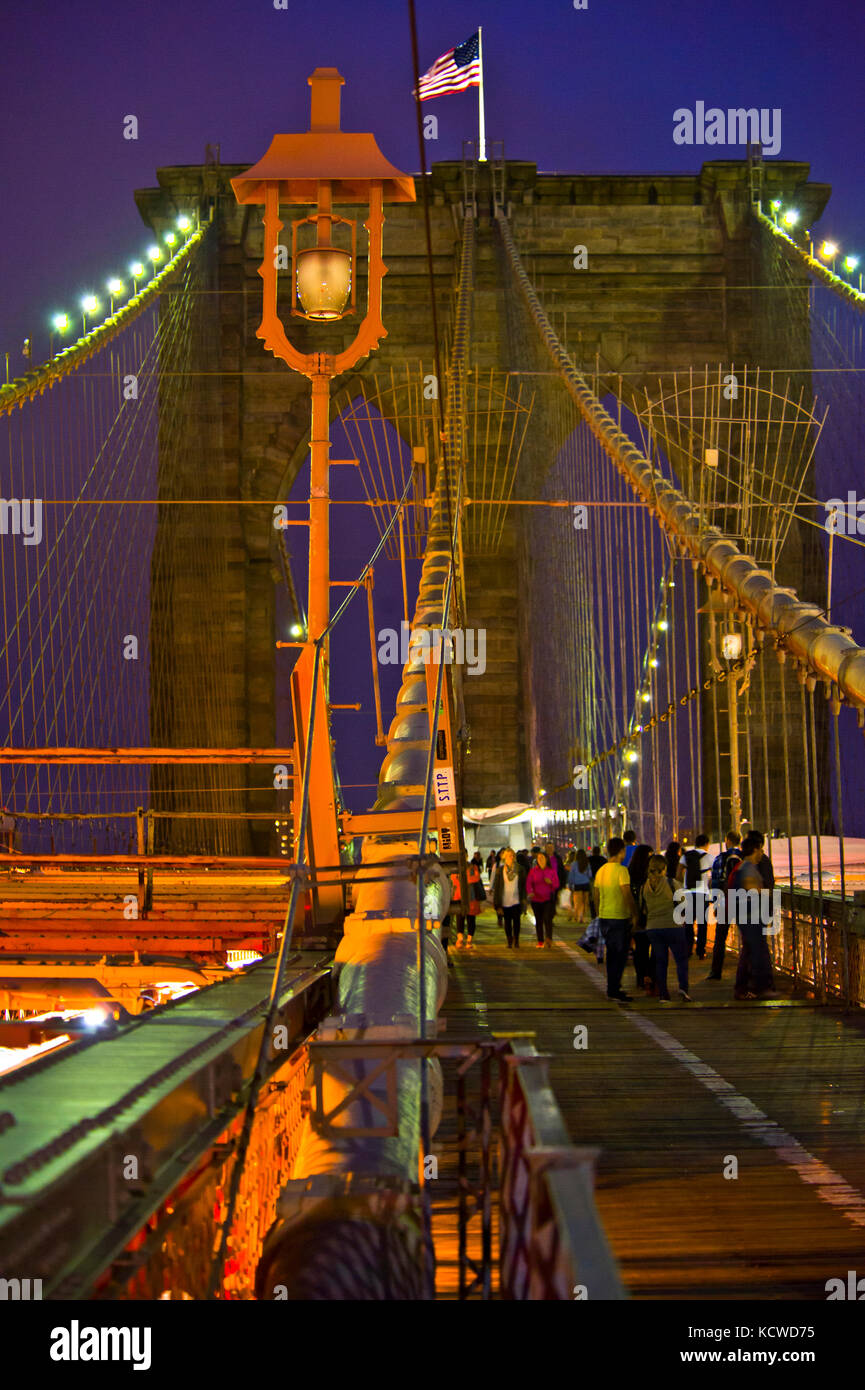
(98, 756)
(324, 166)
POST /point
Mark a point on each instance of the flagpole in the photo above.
(482, 142)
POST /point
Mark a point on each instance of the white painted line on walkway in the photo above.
(829, 1186)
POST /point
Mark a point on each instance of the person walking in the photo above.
(579, 882)
(697, 864)
(465, 917)
(673, 856)
(722, 867)
(554, 859)
(753, 909)
(617, 912)
(477, 898)
(630, 840)
(542, 885)
(637, 871)
(509, 896)
(596, 859)
(658, 901)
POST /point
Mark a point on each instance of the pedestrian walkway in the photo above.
(676, 1096)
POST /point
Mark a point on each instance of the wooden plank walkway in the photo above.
(672, 1094)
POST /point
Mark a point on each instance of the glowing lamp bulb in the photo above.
(775, 204)
(170, 238)
(155, 253)
(90, 304)
(60, 323)
(323, 281)
(626, 781)
(93, 1018)
(136, 270)
(851, 262)
(731, 645)
(631, 756)
(114, 286)
(663, 625)
(183, 224)
(654, 661)
(790, 218)
(296, 630)
(541, 792)
(828, 250)
(645, 697)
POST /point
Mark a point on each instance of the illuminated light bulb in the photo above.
(626, 781)
(94, 1018)
(136, 270)
(851, 262)
(169, 238)
(296, 630)
(541, 792)
(645, 696)
(184, 224)
(653, 661)
(828, 250)
(631, 756)
(775, 204)
(323, 281)
(155, 253)
(663, 625)
(790, 218)
(114, 286)
(90, 304)
(60, 323)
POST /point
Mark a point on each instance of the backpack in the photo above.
(693, 860)
(719, 873)
(675, 887)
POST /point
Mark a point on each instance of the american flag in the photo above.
(454, 71)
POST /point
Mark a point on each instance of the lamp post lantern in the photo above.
(318, 169)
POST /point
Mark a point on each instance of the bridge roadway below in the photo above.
(672, 1093)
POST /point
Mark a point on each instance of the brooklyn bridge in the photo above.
(378, 523)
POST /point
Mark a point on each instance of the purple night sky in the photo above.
(589, 90)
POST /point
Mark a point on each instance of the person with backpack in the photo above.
(658, 902)
(723, 866)
(643, 967)
(698, 869)
(754, 977)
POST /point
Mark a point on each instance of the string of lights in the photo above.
(90, 304)
(828, 251)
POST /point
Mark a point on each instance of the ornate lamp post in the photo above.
(321, 168)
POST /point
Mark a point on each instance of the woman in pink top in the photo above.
(542, 885)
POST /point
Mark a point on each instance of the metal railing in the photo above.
(514, 1160)
(822, 943)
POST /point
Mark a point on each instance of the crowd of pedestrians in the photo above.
(636, 903)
